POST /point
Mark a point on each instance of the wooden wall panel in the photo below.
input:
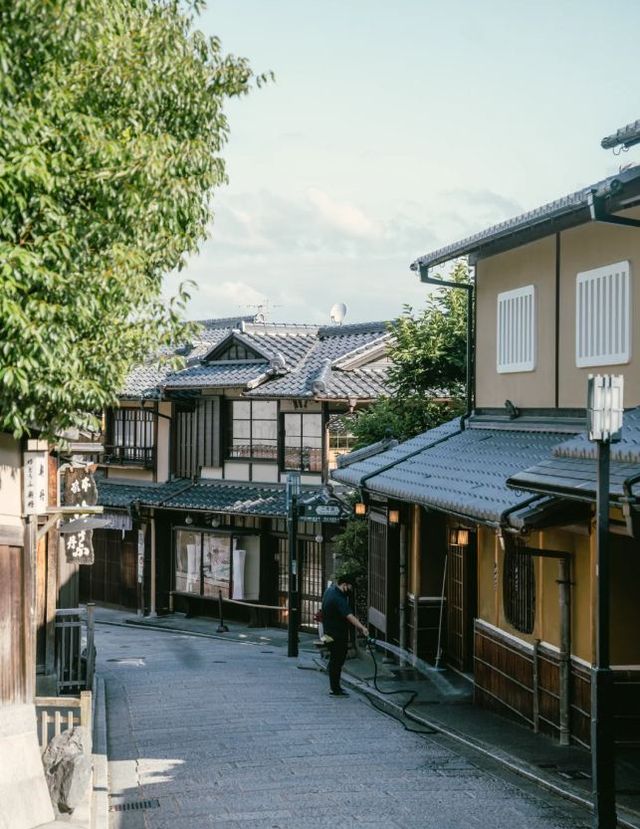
(13, 678)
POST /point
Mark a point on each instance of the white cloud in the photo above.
(300, 255)
(343, 216)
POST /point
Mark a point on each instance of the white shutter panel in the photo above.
(603, 316)
(516, 335)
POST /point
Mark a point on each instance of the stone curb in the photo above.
(627, 819)
(100, 796)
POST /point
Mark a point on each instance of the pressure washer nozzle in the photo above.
(371, 640)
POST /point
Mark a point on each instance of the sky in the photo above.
(394, 128)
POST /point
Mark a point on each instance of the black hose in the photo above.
(403, 709)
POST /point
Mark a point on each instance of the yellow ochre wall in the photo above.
(582, 248)
(547, 619)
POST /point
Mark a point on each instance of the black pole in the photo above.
(602, 738)
(469, 348)
(222, 628)
(293, 577)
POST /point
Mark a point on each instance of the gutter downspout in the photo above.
(469, 287)
(632, 521)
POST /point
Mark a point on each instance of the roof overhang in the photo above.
(617, 193)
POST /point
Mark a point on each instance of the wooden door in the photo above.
(461, 603)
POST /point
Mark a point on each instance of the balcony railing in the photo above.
(143, 456)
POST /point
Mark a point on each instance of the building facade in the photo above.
(196, 463)
(495, 512)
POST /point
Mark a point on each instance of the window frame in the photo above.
(286, 451)
(519, 588)
(230, 420)
(523, 344)
(132, 434)
(597, 323)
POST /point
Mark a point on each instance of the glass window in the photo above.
(203, 563)
(132, 436)
(341, 438)
(188, 556)
(216, 564)
(303, 442)
(254, 430)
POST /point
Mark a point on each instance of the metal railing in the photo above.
(129, 455)
(75, 649)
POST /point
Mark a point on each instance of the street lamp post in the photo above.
(605, 412)
(293, 493)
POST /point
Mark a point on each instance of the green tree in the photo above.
(111, 128)
(428, 368)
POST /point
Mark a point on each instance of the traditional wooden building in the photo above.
(196, 463)
(482, 531)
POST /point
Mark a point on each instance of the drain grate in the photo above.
(134, 805)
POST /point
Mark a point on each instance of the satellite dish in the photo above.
(337, 313)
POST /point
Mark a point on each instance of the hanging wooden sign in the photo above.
(79, 489)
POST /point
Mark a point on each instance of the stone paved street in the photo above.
(226, 734)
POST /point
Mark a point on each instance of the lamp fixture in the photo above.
(215, 521)
(604, 407)
(393, 516)
(459, 536)
(360, 508)
(188, 520)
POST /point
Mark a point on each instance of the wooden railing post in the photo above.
(85, 718)
(90, 644)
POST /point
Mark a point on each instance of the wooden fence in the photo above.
(58, 714)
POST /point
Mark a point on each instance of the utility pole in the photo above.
(293, 493)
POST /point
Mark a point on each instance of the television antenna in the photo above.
(337, 313)
(263, 309)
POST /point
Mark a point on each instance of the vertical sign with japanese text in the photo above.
(79, 490)
(35, 483)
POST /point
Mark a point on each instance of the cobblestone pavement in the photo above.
(207, 733)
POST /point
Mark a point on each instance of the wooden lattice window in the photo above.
(519, 587)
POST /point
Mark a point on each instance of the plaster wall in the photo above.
(163, 447)
(547, 609)
(11, 489)
(532, 264)
(583, 248)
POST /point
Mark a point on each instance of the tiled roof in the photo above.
(226, 374)
(144, 382)
(626, 136)
(122, 495)
(627, 449)
(464, 474)
(305, 349)
(351, 469)
(210, 496)
(571, 210)
(574, 478)
(571, 468)
(334, 343)
(245, 499)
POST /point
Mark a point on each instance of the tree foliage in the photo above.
(428, 369)
(111, 128)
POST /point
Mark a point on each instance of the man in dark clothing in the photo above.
(336, 618)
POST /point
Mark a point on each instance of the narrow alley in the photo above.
(207, 733)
